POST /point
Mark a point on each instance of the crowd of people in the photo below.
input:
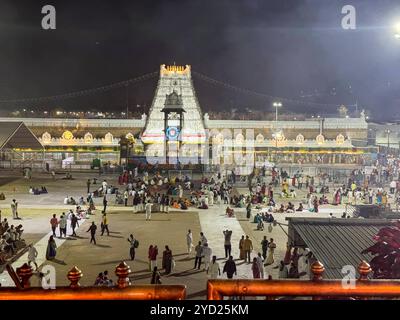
(10, 240)
(270, 193)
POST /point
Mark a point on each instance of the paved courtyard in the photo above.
(164, 229)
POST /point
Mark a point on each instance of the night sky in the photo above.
(286, 48)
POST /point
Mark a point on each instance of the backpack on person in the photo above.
(136, 244)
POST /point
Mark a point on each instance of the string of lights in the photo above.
(154, 74)
(85, 92)
(264, 95)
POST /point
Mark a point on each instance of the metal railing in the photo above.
(123, 290)
(317, 288)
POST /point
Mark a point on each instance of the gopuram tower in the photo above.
(175, 83)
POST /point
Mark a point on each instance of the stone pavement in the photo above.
(163, 230)
(213, 222)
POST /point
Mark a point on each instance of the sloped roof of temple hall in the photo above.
(335, 242)
(14, 135)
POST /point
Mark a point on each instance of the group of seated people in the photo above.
(203, 203)
(68, 176)
(79, 213)
(290, 194)
(238, 201)
(259, 219)
(101, 191)
(264, 216)
(70, 201)
(102, 280)
(323, 200)
(37, 191)
(10, 240)
(289, 208)
(181, 204)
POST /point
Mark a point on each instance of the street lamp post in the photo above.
(388, 139)
(277, 105)
(277, 133)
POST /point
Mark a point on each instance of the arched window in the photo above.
(46, 137)
(88, 138)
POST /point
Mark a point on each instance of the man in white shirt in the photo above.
(260, 263)
(207, 252)
(302, 264)
(63, 225)
(126, 196)
(203, 239)
(13, 233)
(189, 241)
(148, 210)
(214, 269)
(104, 186)
(14, 209)
(32, 255)
(392, 187)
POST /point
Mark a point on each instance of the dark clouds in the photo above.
(281, 47)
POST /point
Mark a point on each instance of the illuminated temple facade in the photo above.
(329, 141)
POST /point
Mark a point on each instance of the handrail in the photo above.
(316, 288)
(217, 289)
(134, 292)
(122, 291)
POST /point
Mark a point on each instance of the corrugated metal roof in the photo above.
(17, 135)
(337, 242)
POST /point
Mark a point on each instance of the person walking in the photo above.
(203, 239)
(264, 247)
(74, 224)
(260, 264)
(227, 244)
(149, 251)
(148, 210)
(88, 183)
(199, 254)
(248, 211)
(189, 241)
(54, 224)
(271, 247)
(166, 204)
(167, 260)
(32, 255)
(207, 253)
(134, 245)
(126, 196)
(214, 269)
(92, 230)
(153, 257)
(63, 225)
(241, 249)
(256, 269)
(104, 204)
(14, 209)
(248, 247)
(283, 270)
(155, 277)
(104, 224)
(230, 268)
(51, 251)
